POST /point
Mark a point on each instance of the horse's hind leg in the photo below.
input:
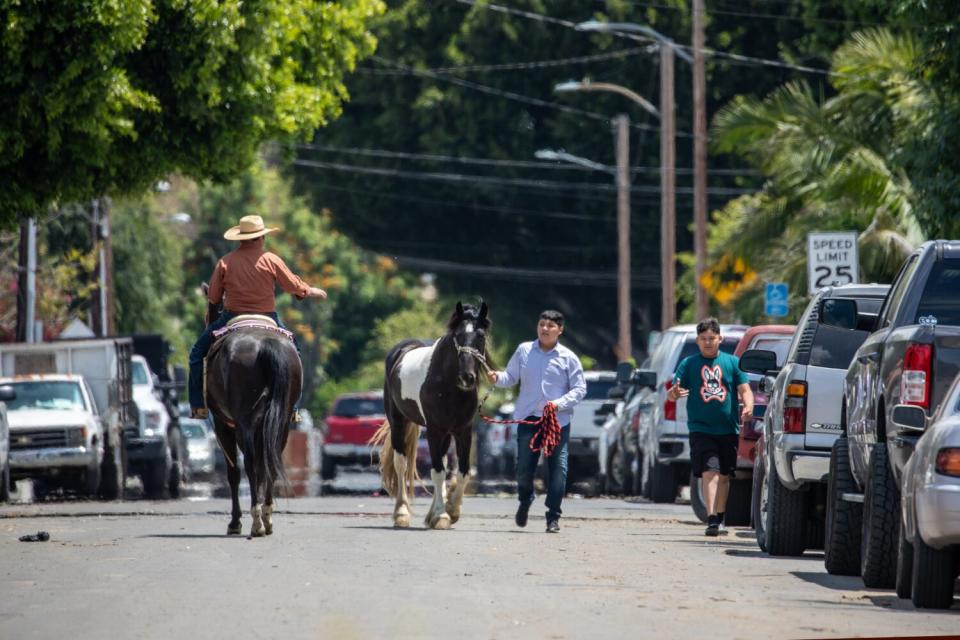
(437, 517)
(267, 510)
(463, 476)
(227, 438)
(257, 528)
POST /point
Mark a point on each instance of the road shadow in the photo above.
(188, 536)
(757, 553)
(837, 583)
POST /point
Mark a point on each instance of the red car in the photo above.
(772, 337)
(352, 421)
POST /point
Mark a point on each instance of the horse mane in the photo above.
(471, 311)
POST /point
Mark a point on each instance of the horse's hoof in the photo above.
(234, 529)
(401, 522)
(443, 522)
(258, 533)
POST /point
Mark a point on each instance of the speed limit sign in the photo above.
(832, 259)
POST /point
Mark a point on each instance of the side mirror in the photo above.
(605, 409)
(645, 378)
(909, 418)
(624, 370)
(7, 394)
(759, 361)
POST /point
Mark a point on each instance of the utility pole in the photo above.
(668, 240)
(624, 345)
(27, 282)
(699, 159)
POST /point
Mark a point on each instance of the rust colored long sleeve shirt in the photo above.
(244, 280)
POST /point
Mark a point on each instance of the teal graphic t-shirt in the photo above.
(712, 405)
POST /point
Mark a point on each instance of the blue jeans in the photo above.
(200, 350)
(556, 468)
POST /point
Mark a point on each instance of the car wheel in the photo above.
(636, 477)
(177, 466)
(881, 523)
(841, 551)
(614, 479)
(934, 571)
(328, 468)
(904, 567)
(696, 498)
(5, 483)
(113, 473)
(786, 533)
(758, 500)
(155, 478)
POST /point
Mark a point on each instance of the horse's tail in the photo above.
(388, 470)
(276, 416)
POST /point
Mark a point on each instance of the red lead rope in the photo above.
(547, 436)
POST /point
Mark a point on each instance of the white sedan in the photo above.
(929, 553)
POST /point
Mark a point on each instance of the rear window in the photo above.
(729, 345)
(834, 348)
(598, 389)
(940, 303)
(353, 407)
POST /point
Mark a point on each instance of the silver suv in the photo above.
(801, 422)
(664, 458)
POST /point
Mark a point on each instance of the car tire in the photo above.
(177, 465)
(697, 500)
(934, 571)
(904, 567)
(663, 486)
(881, 523)
(90, 484)
(758, 502)
(613, 480)
(841, 552)
(5, 483)
(737, 511)
(785, 527)
(637, 476)
(328, 468)
(154, 478)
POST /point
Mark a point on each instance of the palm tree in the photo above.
(830, 164)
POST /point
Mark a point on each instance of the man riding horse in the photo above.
(244, 282)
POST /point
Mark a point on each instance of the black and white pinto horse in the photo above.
(436, 386)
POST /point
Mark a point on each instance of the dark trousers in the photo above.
(556, 468)
(200, 350)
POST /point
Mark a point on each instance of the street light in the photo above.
(668, 242)
(561, 155)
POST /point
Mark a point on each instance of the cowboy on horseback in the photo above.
(244, 282)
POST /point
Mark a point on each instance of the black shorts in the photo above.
(710, 452)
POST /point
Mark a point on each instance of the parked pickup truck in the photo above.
(73, 402)
(911, 358)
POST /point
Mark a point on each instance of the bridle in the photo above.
(479, 357)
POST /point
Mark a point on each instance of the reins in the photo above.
(547, 436)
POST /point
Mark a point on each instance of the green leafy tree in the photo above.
(107, 96)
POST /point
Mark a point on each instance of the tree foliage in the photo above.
(107, 96)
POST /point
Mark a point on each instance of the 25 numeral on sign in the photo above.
(825, 276)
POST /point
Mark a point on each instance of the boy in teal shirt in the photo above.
(713, 418)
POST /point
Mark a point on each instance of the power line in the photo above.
(550, 185)
(769, 16)
(531, 164)
(510, 95)
(542, 64)
(712, 52)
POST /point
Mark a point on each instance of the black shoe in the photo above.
(522, 511)
(553, 526)
(713, 530)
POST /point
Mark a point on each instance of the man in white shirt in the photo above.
(548, 373)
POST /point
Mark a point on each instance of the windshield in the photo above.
(61, 394)
(353, 407)
(598, 389)
(193, 431)
(140, 375)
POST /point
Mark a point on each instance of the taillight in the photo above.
(795, 407)
(669, 406)
(917, 375)
(948, 461)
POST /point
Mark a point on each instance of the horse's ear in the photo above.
(459, 308)
(483, 311)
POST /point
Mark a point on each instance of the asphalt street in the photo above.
(336, 568)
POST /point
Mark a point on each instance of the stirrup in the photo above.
(199, 413)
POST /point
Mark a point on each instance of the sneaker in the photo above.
(199, 413)
(553, 526)
(713, 529)
(521, 517)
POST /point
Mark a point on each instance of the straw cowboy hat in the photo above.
(250, 227)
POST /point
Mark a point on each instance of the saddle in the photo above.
(250, 321)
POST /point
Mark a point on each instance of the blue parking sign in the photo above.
(775, 300)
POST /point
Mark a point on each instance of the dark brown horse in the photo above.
(254, 378)
(436, 386)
